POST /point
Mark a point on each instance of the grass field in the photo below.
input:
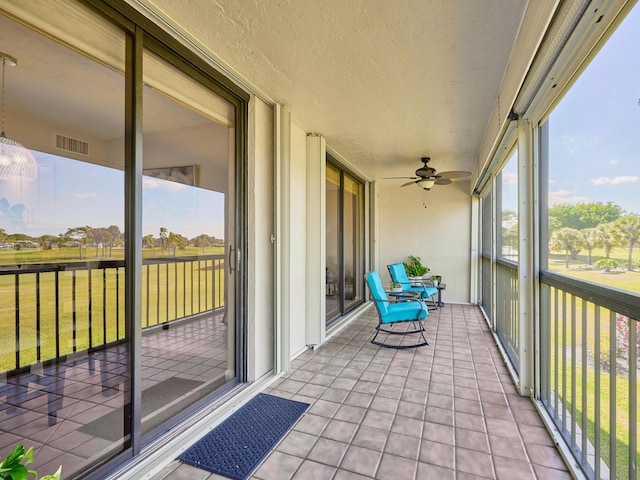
(169, 291)
(584, 335)
(619, 278)
(566, 362)
(621, 420)
(64, 255)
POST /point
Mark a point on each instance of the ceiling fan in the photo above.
(426, 176)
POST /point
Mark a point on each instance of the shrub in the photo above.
(607, 264)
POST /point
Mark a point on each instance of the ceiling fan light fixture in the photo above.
(426, 183)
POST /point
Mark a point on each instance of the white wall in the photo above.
(439, 234)
(298, 232)
(260, 278)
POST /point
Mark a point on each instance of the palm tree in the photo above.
(606, 238)
(627, 230)
(567, 239)
(164, 239)
(590, 240)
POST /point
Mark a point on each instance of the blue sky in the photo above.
(594, 144)
(595, 129)
(70, 193)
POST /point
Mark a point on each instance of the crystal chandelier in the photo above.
(16, 161)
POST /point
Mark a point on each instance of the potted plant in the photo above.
(414, 267)
(15, 466)
(435, 280)
(395, 287)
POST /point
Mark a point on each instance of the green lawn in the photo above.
(621, 420)
(620, 279)
(175, 290)
(64, 255)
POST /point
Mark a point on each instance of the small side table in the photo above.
(441, 287)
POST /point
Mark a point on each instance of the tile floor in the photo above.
(445, 411)
(50, 407)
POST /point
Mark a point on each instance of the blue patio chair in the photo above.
(399, 275)
(390, 312)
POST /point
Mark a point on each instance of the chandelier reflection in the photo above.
(16, 161)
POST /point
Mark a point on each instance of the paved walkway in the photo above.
(448, 410)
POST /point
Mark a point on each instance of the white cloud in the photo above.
(566, 196)
(614, 180)
(174, 186)
(148, 182)
(509, 178)
(86, 195)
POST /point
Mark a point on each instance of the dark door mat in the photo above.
(238, 445)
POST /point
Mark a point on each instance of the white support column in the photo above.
(374, 227)
(526, 265)
(316, 242)
(475, 250)
(282, 240)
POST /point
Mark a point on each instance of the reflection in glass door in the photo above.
(64, 354)
(344, 243)
(188, 328)
(352, 241)
(333, 258)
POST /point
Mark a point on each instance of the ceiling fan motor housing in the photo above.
(425, 171)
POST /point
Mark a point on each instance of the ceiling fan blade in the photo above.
(454, 174)
(395, 178)
(443, 181)
(408, 183)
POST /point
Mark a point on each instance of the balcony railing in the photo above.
(506, 315)
(52, 310)
(589, 372)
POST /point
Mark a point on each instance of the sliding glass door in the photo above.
(188, 151)
(344, 242)
(118, 276)
(65, 361)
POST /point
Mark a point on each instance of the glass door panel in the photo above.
(486, 255)
(334, 261)
(188, 334)
(64, 355)
(344, 243)
(352, 242)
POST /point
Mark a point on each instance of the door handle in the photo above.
(232, 267)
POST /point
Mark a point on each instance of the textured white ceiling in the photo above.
(386, 82)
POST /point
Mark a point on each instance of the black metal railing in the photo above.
(52, 310)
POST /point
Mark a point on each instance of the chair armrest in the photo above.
(399, 300)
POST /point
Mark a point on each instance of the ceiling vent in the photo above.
(72, 145)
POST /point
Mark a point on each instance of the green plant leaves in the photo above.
(12, 467)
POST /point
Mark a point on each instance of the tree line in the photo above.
(104, 239)
(587, 226)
